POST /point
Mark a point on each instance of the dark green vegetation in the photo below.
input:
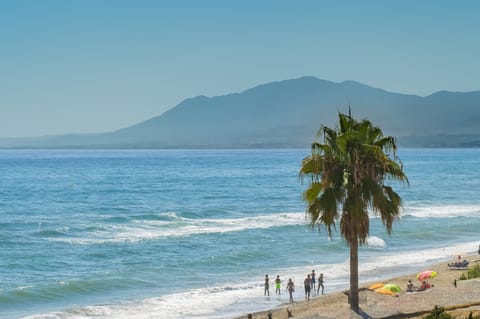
(347, 172)
(440, 313)
(472, 272)
(286, 114)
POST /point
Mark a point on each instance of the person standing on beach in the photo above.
(320, 283)
(290, 288)
(479, 249)
(313, 281)
(277, 285)
(267, 287)
(307, 283)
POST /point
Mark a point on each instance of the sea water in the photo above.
(192, 233)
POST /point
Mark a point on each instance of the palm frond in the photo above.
(348, 168)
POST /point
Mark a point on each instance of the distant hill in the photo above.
(288, 114)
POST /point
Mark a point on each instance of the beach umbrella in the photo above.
(392, 287)
(388, 289)
(384, 291)
(376, 286)
(427, 274)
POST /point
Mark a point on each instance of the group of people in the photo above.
(424, 286)
(310, 283)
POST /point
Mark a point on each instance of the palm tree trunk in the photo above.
(354, 299)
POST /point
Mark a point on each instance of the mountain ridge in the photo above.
(288, 113)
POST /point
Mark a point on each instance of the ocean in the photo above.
(192, 233)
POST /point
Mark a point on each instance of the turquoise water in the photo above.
(192, 233)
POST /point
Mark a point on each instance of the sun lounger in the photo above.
(462, 265)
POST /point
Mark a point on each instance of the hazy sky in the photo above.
(76, 66)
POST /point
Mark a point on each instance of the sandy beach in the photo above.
(461, 300)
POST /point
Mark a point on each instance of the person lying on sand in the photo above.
(424, 286)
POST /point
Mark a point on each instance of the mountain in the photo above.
(288, 114)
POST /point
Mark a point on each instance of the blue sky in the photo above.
(80, 66)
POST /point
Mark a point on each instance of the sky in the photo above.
(89, 66)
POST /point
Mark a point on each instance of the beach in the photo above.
(459, 300)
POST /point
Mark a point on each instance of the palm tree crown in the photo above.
(347, 172)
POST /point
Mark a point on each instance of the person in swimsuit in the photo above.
(267, 287)
(307, 283)
(277, 285)
(425, 285)
(313, 281)
(410, 287)
(290, 288)
(320, 283)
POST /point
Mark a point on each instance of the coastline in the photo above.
(462, 299)
(121, 240)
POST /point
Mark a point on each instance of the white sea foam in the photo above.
(176, 226)
(375, 241)
(234, 299)
(442, 211)
(139, 230)
(211, 302)
(24, 287)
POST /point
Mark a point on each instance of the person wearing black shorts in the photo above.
(267, 287)
(307, 283)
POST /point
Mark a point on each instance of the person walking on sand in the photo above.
(277, 285)
(307, 283)
(290, 288)
(313, 281)
(320, 283)
(267, 287)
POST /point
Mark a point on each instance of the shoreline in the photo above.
(465, 296)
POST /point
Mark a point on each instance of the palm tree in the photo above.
(347, 172)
